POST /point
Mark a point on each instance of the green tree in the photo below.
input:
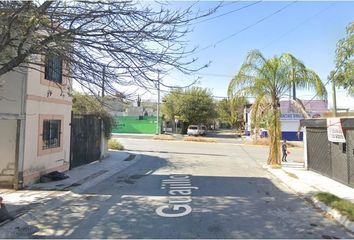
(171, 104)
(224, 111)
(231, 111)
(343, 75)
(269, 80)
(89, 104)
(192, 106)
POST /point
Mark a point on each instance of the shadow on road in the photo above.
(223, 207)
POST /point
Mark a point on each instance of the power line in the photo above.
(235, 10)
(245, 28)
(275, 40)
(298, 26)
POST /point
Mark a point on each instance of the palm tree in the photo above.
(268, 81)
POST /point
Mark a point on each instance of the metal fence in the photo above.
(319, 151)
(335, 160)
(85, 139)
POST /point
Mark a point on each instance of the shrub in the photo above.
(89, 104)
(163, 137)
(114, 144)
(109, 123)
(199, 139)
(259, 141)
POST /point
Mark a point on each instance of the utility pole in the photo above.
(158, 103)
(334, 98)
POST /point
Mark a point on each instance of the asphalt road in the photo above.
(190, 190)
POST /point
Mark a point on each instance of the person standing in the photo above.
(284, 149)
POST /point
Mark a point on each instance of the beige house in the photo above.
(35, 116)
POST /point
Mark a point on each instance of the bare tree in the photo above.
(122, 40)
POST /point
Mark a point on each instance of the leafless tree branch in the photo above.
(136, 41)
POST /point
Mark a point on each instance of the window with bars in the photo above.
(51, 134)
(53, 68)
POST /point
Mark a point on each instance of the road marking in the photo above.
(180, 196)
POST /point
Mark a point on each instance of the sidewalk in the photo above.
(33, 201)
(307, 183)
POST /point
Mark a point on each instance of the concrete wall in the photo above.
(8, 129)
(289, 130)
(45, 100)
(12, 89)
(136, 124)
(290, 125)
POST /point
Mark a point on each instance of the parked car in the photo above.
(195, 130)
(202, 130)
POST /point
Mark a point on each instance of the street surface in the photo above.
(190, 190)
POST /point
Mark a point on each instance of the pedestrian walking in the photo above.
(284, 149)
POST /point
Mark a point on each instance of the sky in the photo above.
(308, 30)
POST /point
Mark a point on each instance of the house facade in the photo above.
(35, 116)
(290, 117)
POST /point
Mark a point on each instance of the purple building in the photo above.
(290, 117)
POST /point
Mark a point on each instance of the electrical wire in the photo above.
(245, 28)
(224, 14)
(298, 26)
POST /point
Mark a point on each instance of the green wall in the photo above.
(136, 124)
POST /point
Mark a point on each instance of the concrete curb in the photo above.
(347, 223)
(217, 142)
(336, 215)
(182, 141)
(15, 228)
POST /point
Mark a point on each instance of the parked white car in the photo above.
(202, 130)
(195, 130)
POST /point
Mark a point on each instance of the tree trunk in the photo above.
(274, 137)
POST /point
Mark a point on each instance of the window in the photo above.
(344, 148)
(53, 69)
(51, 134)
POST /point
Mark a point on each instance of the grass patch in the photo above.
(163, 137)
(265, 142)
(198, 139)
(292, 145)
(275, 166)
(259, 141)
(115, 145)
(345, 207)
(291, 175)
